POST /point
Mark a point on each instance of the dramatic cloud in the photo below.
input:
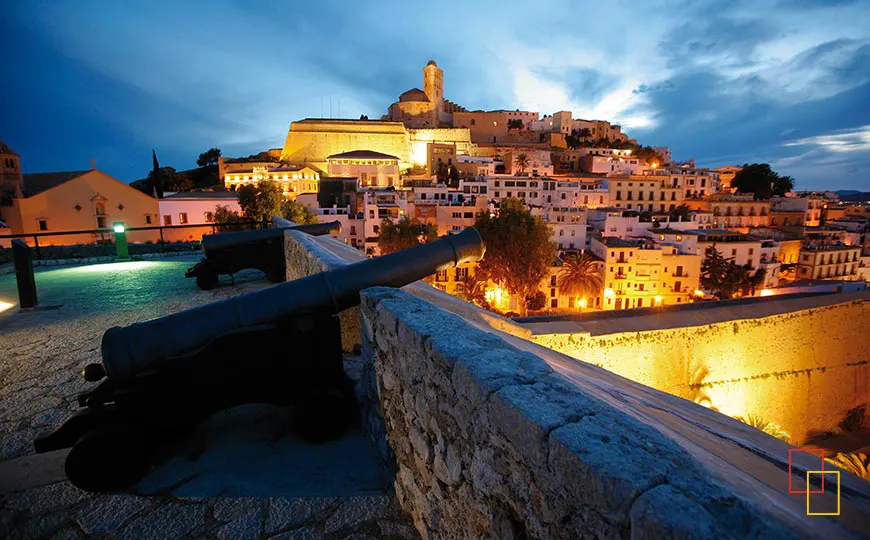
(784, 81)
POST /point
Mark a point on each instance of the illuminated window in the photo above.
(182, 218)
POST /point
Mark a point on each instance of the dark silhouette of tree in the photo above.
(536, 301)
(442, 173)
(225, 218)
(519, 251)
(209, 157)
(648, 155)
(262, 200)
(405, 233)
(454, 177)
(515, 123)
(723, 275)
(522, 161)
(762, 181)
(298, 213)
(680, 213)
(582, 133)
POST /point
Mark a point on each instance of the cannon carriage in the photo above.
(280, 346)
(228, 253)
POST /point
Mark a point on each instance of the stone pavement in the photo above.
(241, 475)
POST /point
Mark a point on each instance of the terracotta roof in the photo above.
(4, 149)
(362, 154)
(414, 94)
(37, 183)
(220, 195)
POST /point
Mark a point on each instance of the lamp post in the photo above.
(121, 241)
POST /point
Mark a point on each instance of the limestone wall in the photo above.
(803, 367)
(491, 442)
(493, 436)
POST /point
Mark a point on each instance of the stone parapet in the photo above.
(490, 441)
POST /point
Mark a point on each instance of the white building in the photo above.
(373, 169)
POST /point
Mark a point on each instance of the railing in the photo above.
(106, 236)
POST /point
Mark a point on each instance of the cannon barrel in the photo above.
(211, 242)
(142, 346)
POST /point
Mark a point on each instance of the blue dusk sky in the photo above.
(726, 82)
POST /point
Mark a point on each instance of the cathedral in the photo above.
(425, 108)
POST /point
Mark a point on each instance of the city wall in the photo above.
(494, 436)
(802, 364)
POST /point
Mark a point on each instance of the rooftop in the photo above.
(204, 195)
(39, 182)
(363, 154)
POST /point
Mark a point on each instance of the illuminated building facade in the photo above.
(373, 169)
(293, 179)
(829, 261)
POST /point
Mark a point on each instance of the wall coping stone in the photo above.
(622, 458)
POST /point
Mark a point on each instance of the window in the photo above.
(461, 274)
(43, 225)
(554, 303)
(353, 230)
(563, 196)
(182, 218)
(167, 220)
(148, 219)
(751, 250)
(441, 275)
(101, 222)
(377, 229)
(678, 271)
(468, 215)
(733, 252)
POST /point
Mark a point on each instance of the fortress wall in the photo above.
(803, 370)
(494, 436)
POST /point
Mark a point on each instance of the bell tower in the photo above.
(11, 180)
(433, 83)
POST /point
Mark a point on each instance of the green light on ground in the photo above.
(115, 267)
(119, 227)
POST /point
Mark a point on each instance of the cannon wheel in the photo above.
(207, 280)
(107, 460)
(322, 415)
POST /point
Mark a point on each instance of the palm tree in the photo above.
(522, 161)
(857, 464)
(580, 275)
(473, 289)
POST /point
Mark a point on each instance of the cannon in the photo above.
(280, 346)
(227, 253)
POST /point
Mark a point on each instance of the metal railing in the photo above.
(106, 236)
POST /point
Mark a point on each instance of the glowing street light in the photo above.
(121, 241)
(766, 292)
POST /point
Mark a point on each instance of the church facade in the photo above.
(425, 108)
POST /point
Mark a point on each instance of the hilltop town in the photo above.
(649, 231)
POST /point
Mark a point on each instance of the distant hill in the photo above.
(850, 195)
(191, 179)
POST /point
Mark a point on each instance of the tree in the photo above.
(407, 232)
(680, 213)
(454, 177)
(648, 155)
(519, 251)
(209, 157)
(582, 133)
(762, 181)
(225, 218)
(298, 213)
(442, 173)
(473, 289)
(262, 200)
(580, 276)
(721, 274)
(536, 301)
(178, 181)
(516, 123)
(522, 161)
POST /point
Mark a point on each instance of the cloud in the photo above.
(845, 140)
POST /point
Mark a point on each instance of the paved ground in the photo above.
(241, 475)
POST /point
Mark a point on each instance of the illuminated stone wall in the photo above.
(802, 369)
(311, 141)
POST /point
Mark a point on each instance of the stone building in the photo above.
(828, 261)
(10, 174)
(425, 108)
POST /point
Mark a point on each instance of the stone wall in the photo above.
(800, 363)
(494, 436)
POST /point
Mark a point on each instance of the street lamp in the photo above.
(121, 241)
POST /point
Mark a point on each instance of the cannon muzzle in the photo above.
(220, 241)
(143, 346)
